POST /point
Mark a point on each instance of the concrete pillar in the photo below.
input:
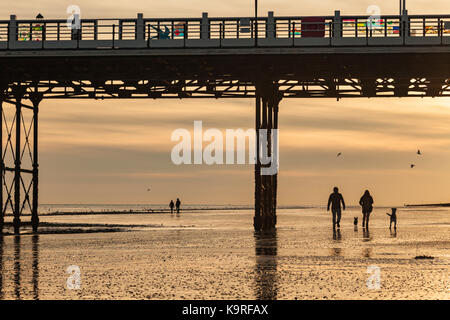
(337, 24)
(140, 27)
(204, 27)
(270, 26)
(12, 31)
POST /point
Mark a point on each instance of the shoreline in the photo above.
(428, 205)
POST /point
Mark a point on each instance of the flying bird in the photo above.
(339, 154)
(419, 153)
(412, 166)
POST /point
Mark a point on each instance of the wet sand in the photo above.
(216, 255)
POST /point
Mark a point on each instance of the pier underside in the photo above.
(266, 75)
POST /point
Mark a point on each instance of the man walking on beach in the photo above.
(171, 205)
(335, 201)
(177, 205)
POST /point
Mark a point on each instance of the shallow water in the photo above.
(216, 255)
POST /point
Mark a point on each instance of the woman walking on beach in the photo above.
(366, 203)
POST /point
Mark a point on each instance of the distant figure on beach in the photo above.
(171, 205)
(366, 202)
(178, 204)
(393, 216)
(335, 200)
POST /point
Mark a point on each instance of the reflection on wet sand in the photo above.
(366, 235)
(336, 252)
(21, 289)
(367, 252)
(1, 267)
(35, 276)
(266, 287)
(17, 268)
(337, 234)
(337, 237)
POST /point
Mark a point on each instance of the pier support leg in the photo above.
(257, 221)
(267, 102)
(19, 154)
(2, 167)
(17, 163)
(36, 99)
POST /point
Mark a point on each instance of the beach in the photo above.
(215, 254)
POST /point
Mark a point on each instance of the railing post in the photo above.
(330, 32)
(337, 24)
(293, 34)
(113, 35)
(404, 26)
(270, 27)
(140, 27)
(148, 36)
(185, 34)
(120, 34)
(367, 35)
(204, 27)
(220, 35)
(43, 34)
(95, 30)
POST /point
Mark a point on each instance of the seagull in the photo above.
(419, 153)
(339, 154)
(412, 166)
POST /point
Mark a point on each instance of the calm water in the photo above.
(214, 254)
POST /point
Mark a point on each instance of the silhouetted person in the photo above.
(366, 203)
(178, 204)
(335, 200)
(171, 205)
(393, 216)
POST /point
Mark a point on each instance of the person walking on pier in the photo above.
(178, 204)
(335, 200)
(171, 205)
(366, 203)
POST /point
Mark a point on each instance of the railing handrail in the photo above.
(223, 28)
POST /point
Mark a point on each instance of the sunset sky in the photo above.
(113, 151)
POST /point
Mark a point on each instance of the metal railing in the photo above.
(112, 31)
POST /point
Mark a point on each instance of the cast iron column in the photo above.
(16, 221)
(36, 99)
(267, 100)
(2, 166)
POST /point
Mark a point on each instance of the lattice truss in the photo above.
(18, 157)
(231, 88)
